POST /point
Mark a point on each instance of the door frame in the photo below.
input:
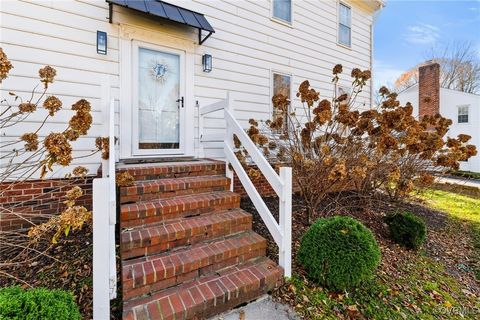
(136, 45)
(130, 36)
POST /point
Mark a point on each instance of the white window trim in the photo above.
(279, 20)
(468, 113)
(338, 25)
(283, 73)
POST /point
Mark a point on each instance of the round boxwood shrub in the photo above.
(339, 252)
(407, 229)
(35, 304)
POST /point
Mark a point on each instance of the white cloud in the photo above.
(422, 33)
(385, 74)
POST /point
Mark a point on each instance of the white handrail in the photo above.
(281, 184)
(104, 220)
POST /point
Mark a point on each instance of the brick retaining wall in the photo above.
(38, 199)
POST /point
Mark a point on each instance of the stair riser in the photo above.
(210, 296)
(168, 194)
(139, 215)
(154, 173)
(146, 244)
(133, 290)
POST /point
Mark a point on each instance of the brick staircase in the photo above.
(188, 251)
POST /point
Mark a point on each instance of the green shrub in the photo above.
(37, 304)
(339, 252)
(407, 230)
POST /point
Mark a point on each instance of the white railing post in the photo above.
(104, 217)
(101, 239)
(112, 201)
(229, 138)
(285, 221)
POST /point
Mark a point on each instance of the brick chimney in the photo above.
(429, 89)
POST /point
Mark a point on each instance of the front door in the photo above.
(158, 113)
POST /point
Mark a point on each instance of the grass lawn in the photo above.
(408, 284)
(461, 207)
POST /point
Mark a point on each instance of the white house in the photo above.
(462, 108)
(253, 42)
(183, 77)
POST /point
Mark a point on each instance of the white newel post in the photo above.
(229, 138)
(101, 239)
(285, 220)
(104, 216)
(112, 201)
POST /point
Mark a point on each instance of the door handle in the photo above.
(181, 102)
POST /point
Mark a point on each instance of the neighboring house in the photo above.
(162, 62)
(427, 97)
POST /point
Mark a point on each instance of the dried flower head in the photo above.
(338, 68)
(338, 172)
(366, 75)
(82, 105)
(307, 94)
(5, 65)
(280, 102)
(103, 145)
(80, 171)
(31, 140)
(356, 73)
(47, 75)
(59, 148)
(52, 104)
(27, 107)
(81, 122)
(384, 91)
(71, 135)
(74, 193)
(125, 179)
(464, 138)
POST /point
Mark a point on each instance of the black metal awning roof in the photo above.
(167, 11)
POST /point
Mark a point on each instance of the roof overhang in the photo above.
(166, 11)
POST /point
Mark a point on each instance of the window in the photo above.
(282, 9)
(344, 25)
(281, 85)
(462, 114)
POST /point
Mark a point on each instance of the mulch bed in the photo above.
(447, 241)
(66, 265)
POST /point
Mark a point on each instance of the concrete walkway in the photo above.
(460, 181)
(261, 309)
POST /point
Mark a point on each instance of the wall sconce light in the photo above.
(101, 42)
(207, 62)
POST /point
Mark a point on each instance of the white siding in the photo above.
(246, 47)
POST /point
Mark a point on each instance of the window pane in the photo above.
(282, 9)
(345, 17)
(463, 118)
(158, 91)
(344, 35)
(281, 85)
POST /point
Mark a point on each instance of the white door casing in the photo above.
(131, 39)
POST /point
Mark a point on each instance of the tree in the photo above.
(459, 68)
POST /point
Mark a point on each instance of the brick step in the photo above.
(156, 171)
(171, 187)
(147, 275)
(208, 295)
(159, 238)
(152, 211)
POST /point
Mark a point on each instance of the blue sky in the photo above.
(406, 30)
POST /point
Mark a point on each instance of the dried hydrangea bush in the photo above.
(332, 146)
(34, 154)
